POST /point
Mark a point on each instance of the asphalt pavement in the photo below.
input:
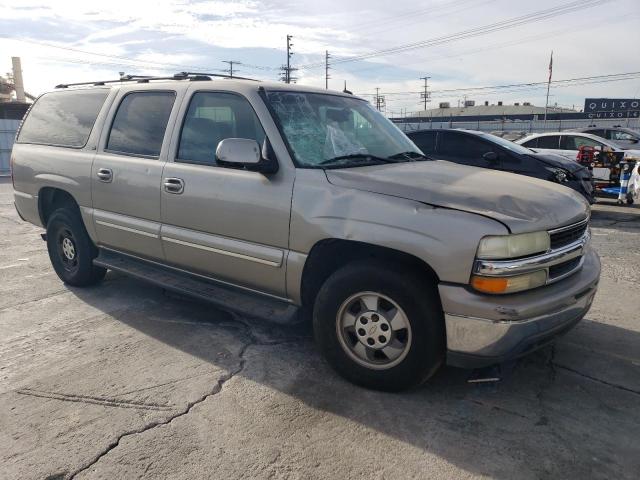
(123, 380)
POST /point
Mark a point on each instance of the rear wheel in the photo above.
(71, 251)
(379, 326)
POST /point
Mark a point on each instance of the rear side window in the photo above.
(598, 133)
(425, 141)
(462, 145)
(550, 141)
(63, 118)
(140, 122)
(570, 142)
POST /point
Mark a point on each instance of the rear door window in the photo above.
(63, 118)
(425, 141)
(464, 148)
(549, 141)
(140, 123)
(574, 142)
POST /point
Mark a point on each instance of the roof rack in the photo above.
(192, 76)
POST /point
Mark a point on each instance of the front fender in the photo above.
(445, 239)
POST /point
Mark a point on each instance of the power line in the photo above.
(528, 84)
(474, 32)
(127, 59)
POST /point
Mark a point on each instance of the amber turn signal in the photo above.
(516, 283)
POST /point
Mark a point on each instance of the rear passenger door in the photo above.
(570, 145)
(127, 171)
(227, 223)
(465, 149)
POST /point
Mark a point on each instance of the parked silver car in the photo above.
(625, 138)
(271, 199)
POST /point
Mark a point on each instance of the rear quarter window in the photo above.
(63, 118)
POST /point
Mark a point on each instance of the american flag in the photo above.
(551, 66)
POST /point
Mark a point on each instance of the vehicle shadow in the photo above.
(553, 414)
(607, 214)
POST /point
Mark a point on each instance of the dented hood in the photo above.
(523, 204)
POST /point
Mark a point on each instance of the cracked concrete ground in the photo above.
(124, 381)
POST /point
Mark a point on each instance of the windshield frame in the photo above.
(263, 93)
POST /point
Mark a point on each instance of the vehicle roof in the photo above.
(463, 130)
(567, 132)
(622, 129)
(239, 84)
(595, 138)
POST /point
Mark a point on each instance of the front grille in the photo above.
(561, 269)
(565, 236)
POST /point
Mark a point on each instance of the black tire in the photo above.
(78, 271)
(416, 296)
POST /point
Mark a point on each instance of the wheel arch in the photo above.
(52, 198)
(328, 255)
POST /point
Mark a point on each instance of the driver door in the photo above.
(226, 223)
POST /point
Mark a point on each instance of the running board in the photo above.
(229, 298)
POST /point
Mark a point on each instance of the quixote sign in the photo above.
(612, 107)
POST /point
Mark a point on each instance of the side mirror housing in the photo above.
(238, 151)
(246, 153)
(490, 156)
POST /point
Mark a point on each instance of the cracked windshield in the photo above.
(338, 132)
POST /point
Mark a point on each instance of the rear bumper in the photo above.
(483, 330)
(27, 207)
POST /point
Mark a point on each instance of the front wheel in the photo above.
(71, 251)
(379, 326)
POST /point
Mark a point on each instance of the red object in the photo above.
(586, 154)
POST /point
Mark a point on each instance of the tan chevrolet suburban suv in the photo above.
(271, 199)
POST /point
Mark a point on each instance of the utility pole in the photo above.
(289, 45)
(546, 105)
(230, 69)
(287, 69)
(426, 96)
(379, 99)
(326, 69)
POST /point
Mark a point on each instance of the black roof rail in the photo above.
(192, 76)
(196, 75)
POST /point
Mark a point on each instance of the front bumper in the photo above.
(585, 187)
(484, 329)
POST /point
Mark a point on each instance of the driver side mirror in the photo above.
(246, 153)
(490, 157)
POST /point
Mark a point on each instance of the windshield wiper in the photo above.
(358, 159)
(410, 156)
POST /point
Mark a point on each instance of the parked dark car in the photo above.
(480, 149)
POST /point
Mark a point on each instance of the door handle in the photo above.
(174, 185)
(105, 175)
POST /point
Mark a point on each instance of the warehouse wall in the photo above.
(8, 129)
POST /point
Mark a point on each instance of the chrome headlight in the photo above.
(497, 247)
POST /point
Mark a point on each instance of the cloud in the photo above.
(162, 37)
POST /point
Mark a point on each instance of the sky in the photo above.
(84, 40)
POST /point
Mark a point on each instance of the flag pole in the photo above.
(546, 105)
